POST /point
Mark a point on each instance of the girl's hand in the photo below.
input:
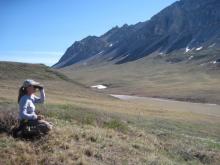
(40, 117)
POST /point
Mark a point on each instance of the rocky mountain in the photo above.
(185, 25)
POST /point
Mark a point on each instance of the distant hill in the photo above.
(184, 26)
(21, 71)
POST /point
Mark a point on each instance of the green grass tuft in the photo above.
(116, 125)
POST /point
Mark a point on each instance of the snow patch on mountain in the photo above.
(199, 48)
(100, 52)
(191, 57)
(187, 49)
(211, 46)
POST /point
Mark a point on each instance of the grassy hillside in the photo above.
(59, 88)
(156, 76)
(92, 128)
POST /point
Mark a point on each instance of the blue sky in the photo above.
(39, 31)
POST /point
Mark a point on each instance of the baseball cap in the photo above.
(30, 82)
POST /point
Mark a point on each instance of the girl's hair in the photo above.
(22, 91)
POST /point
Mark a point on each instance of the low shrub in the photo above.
(8, 119)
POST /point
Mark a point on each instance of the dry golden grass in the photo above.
(85, 145)
(88, 136)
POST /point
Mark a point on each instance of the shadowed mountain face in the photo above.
(184, 25)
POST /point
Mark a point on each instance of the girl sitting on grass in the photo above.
(27, 101)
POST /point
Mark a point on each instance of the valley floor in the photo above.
(173, 105)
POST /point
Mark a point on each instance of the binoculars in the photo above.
(38, 87)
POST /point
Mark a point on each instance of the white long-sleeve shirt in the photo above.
(27, 105)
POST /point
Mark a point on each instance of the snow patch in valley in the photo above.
(99, 86)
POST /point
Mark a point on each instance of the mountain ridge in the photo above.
(182, 26)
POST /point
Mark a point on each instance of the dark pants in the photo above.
(41, 126)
